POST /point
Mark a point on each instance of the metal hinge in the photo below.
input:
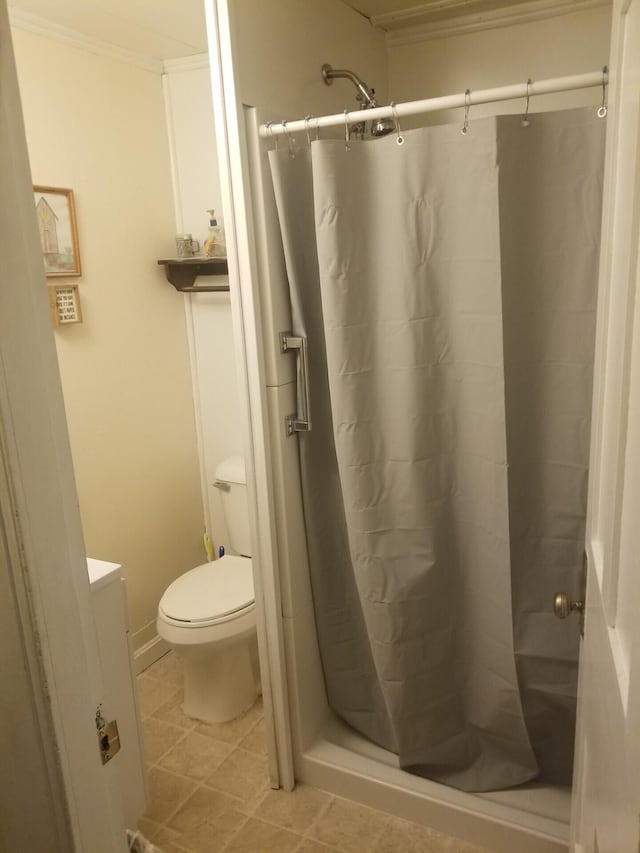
(108, 736)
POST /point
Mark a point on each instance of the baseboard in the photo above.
(149, 653)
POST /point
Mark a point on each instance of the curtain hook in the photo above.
(269, 126)
(271, 134)
(602, 110)
(347, 147)
(399, 137)
(467, 107)
(292, 142)
(525, 117)
(307, 119)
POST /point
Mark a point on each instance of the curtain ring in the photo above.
(292, 142)
(269, 126)
(525, 117)
(347, 147)
(307, 119)
(602, 110)
(270, 132)
(467, 107)
(399, 136)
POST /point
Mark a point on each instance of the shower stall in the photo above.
(438, 285)
(446, 290)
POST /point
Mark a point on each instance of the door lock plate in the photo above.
(108, 737)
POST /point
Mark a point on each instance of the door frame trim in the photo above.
(233, 165)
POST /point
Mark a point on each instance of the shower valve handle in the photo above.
(563, 605)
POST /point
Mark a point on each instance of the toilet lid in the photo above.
(210, 591)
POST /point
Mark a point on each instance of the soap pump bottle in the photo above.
(214, 245)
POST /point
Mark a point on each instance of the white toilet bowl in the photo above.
(208, 617)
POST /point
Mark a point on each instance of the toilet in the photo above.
(207, 615)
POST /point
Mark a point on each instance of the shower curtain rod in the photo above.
(481, 96)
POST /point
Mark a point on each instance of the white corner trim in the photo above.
(522, 13)
(173, 163)
(40, 26)
(149, 653)
(186, 63)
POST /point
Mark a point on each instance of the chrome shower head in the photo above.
(366, 96)
(382, 126)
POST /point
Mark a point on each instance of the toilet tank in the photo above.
(231, 479)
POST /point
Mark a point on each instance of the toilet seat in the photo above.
(210, 594)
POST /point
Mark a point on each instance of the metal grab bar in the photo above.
(300, 422)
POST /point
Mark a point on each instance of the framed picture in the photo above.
(58, 231)
(64, 302)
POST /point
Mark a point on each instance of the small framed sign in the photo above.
(58, 231)
(64, 301)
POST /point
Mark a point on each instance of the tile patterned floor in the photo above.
(209, 790)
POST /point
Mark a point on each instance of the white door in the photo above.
(55, 795)
(606, 807)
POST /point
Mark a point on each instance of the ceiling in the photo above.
(170, 29)
(161, 29)
(394, 14)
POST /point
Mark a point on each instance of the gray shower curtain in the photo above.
(447, 291)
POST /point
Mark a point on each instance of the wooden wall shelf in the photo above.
(182, 272)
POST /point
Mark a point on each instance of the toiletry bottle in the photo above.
(214, 245)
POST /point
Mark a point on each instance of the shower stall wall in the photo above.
(446, 287)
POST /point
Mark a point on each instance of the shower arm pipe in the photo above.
(445, 102)
(330, 74)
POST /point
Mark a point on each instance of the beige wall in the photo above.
(98, 126)
(566, 44)
(197, 188)
(281, 45)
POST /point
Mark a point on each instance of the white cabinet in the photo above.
(126, 770)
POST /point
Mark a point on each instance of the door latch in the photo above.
(563, 605)
(108, 736)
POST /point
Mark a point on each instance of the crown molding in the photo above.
(392, 20)
(522, 13)
(40, 26)
(186, 63)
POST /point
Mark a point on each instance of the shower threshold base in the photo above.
(533, 818)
